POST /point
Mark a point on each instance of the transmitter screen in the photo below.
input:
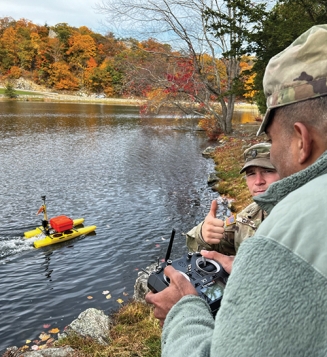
(214, 291)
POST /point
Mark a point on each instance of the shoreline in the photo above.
(56, 97)
(38, 93)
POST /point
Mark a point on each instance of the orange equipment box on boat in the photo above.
(61, 223)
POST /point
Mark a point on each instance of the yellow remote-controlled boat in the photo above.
(58, 229)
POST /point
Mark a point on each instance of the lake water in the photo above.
(135, 179)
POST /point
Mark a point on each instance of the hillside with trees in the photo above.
(215, 56)
(65, 58)
(61, 57)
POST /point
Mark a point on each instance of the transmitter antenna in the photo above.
(170, 244)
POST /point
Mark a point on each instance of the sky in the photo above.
(75, 13)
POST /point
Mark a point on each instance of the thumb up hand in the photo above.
(212, 228)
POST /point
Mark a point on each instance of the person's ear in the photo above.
(303, 142)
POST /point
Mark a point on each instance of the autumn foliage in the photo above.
(60, 57)
(66, 58)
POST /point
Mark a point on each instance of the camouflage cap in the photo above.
(258, 155)
(297, 73)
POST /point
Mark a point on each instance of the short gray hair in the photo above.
(311, 112)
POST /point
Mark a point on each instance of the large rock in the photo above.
(213, 178)
(209, 151)
(91, 323)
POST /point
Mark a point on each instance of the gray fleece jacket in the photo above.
(275, 301)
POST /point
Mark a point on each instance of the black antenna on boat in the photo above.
(45, 222)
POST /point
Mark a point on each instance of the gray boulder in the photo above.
(208, 152)
(212, 178)
(91, 323)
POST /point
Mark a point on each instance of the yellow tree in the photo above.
(8, 43)
(62, 78)
(248, 77)
(81, 49)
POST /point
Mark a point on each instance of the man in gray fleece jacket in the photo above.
(275, 301)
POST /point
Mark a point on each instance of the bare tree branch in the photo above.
(205, 32)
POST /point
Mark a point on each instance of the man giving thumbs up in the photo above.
(212, 233)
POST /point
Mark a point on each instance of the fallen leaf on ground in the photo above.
(28, 341)
(90, 297)
(120, 301)
(105, 292)
(35, 347)
(46, 325)
(108, 296)
(125, 294)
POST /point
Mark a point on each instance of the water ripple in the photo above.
(134, 179)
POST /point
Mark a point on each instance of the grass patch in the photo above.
(134, 333)
(20, 92)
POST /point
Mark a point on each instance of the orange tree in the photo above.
(81, 49)
(62, 78)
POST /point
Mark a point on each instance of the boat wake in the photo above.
(14, 245)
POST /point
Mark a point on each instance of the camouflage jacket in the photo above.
(247, 222)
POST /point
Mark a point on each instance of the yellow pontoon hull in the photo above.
(63, 236)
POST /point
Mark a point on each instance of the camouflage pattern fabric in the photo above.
(298, 73)
(257, 155)
(247, 222)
